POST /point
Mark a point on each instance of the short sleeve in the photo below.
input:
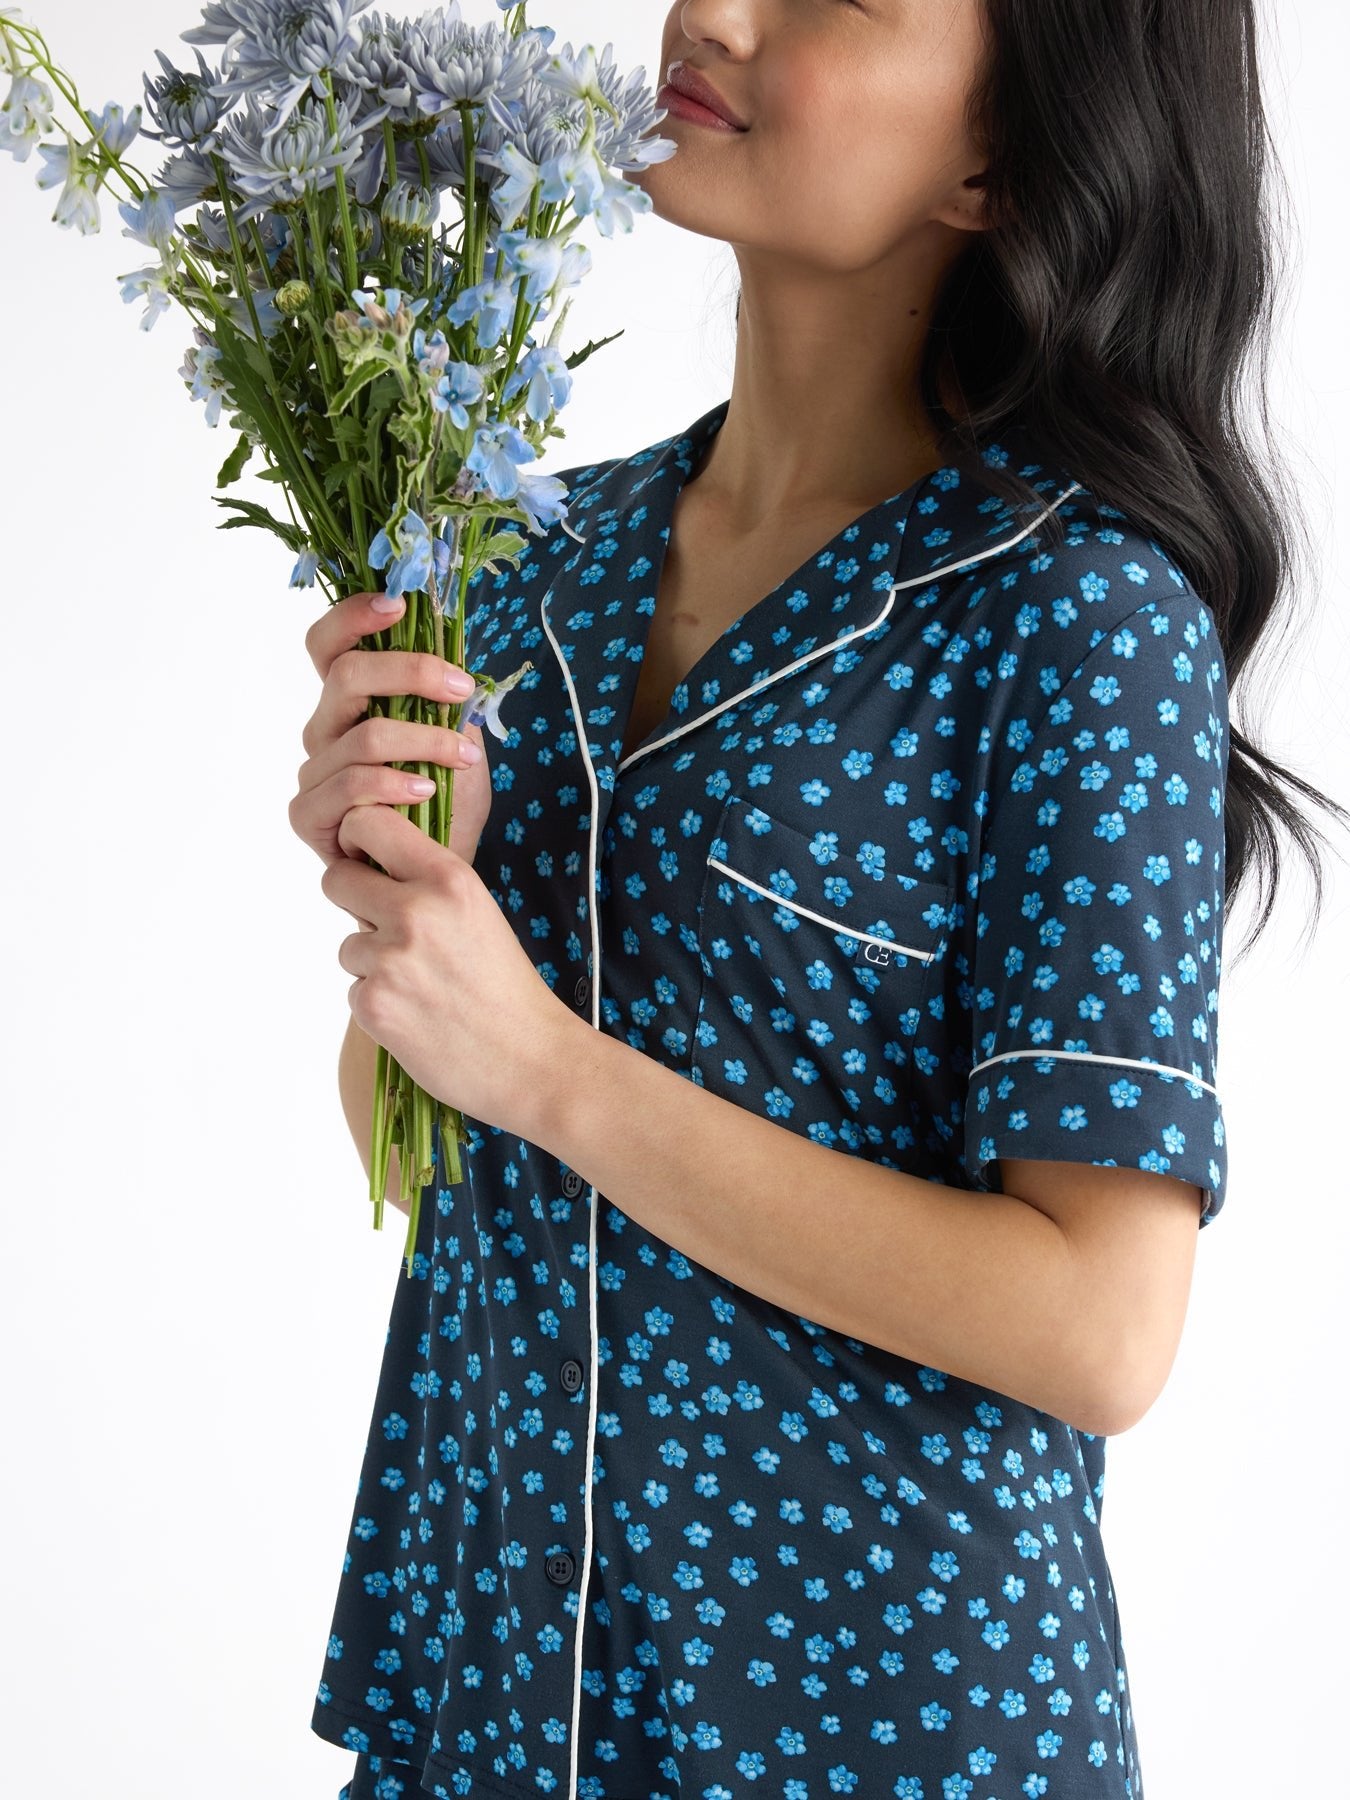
(1100, 914)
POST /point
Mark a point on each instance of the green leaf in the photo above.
(335, 475)
(233, 466)
(575, 362)
(364, 375)
(504, 544)
(252, 514)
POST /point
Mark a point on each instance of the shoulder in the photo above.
(1047, 606)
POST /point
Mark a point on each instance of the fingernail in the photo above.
(387, 603)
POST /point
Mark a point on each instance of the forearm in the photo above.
(356, 1086)
(981, 1285)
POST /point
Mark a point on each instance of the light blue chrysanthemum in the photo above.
(220, 20)
(278, 167)
(186, 178)
(183, 105)
(285, 49)
(451, 62)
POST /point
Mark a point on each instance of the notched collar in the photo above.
(597, 608)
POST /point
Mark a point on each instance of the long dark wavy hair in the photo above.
(1123, 294)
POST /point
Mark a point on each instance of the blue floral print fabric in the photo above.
(925, 863)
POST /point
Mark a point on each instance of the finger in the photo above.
(359, 889)
(356, 956)
(358, 674)
(371, 744)
(402, 849)
(344, 624)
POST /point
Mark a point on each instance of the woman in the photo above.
(870, 817)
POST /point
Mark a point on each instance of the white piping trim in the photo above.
(774, 675)
(842, 930)
(845, 637)
(593, 1307)
(1129, 1062)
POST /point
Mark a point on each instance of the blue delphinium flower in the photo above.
(285, 49)
(115, 130)
(543, 499)
(25, 116)
(154, 284)
(269, 319)
(492, 305)
(76, 167)
(201, 371)
(494, 454)
(452, 386)
(149, 220)
(410, 566)
(483, 707)
(377, 307)
(306, 567)
(548, 378)
(538, 258)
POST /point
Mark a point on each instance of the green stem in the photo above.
(236, 245)
(340, 184)
(467, 247)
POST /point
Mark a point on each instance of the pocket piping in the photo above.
(835, 925)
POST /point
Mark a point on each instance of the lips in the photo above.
(687, 80)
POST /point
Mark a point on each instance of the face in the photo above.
(857, 148)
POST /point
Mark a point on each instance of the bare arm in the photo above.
(1070, 1300)
(356, 1084)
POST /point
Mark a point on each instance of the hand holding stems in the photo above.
(348, 765)
(442, 982)
(348, 753)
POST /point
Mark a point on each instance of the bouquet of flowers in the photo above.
(379, 362)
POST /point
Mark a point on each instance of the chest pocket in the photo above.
(814, 975)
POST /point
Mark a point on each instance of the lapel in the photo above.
(597, 621)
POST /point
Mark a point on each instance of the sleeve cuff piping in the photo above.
(1131, 1062)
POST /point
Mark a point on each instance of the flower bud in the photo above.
(408, 211)
(363, 227)
(292, 298)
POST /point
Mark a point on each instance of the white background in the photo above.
(192, 1299)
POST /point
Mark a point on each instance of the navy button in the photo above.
(572, 1374)
(572, 1184)
(560, 1568)
(581, 993)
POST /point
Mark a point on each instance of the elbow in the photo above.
(1129, 1379)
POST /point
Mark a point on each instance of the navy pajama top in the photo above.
(925, 862)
